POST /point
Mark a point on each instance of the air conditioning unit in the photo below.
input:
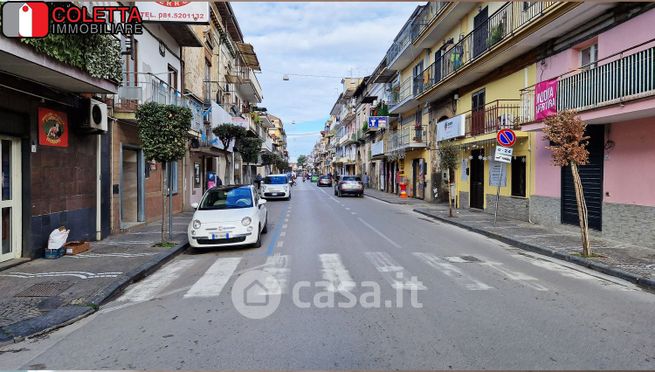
(94, 117)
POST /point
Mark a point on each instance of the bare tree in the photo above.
(565, 131)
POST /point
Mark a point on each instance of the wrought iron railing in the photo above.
(428, 13)
(496, 115)
(401, 92)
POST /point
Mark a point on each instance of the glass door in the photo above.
(10, 197)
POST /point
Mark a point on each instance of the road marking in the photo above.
(277, 268)
(276, 233)
(379, 233)
(393, 273)
(516, 276)
(336, 273)
(455, 259)
(286, 219)
(353, 213)
(347, 208)
(148, 288)
(285, 226)
(283, 233)
(211, 283)
(452, 271)
(280, 243)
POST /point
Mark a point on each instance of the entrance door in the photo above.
(477, 179)
(132, 193)
(477, 117)
(480, 32)
(591, 176)
(10, 206)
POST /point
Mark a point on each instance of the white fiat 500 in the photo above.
(228, 216)
(276, 186)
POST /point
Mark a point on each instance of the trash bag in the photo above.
(58, 238)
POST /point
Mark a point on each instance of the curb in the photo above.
(603, 268)
(384, 200)
(66, 315)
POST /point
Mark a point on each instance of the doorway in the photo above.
(480, 32)
(132, 190)
(477, 179)
(10, 197)
(477, 117)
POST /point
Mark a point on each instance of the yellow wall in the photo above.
(508, 87)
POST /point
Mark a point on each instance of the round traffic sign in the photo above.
(506, 137)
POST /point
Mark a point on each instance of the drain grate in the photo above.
(47, 289)
(470, 259)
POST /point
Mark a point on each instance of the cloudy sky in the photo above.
(337, 39)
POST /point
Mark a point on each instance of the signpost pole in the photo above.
(500, 179)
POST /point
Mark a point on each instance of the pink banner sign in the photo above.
(545, 99)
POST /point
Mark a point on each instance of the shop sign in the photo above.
(377, 122)
(53, 128)
(174, 11)
(545, 99)
(451, 128)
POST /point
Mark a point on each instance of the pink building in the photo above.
(608, 77)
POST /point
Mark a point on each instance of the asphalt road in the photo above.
(468, 302)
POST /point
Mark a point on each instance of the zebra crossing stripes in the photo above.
(452, 271)
(393, 273)
(148, 288)
(277, 268)
(212, 282)
(335, 273)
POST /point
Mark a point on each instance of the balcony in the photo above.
(345, 138)
(496, 115)
(398, 54)
(377, 148)
(408, 137)
(401, 95)
(426, 16)
(267, 145)
(150, 89)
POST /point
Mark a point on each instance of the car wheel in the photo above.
(258, 243)
(265, 229)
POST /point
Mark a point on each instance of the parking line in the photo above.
(276, 233)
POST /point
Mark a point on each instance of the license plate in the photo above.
(277, 193)
(221, 236)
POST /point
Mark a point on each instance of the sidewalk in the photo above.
(623, 260)
(43, 294)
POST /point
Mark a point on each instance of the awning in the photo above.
(249, 56)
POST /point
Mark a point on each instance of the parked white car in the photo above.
(228, 216)
(276, 186)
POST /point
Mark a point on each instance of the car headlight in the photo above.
(196, 224)
(246, 221)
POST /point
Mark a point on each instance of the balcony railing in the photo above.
(501, 25)
(377, 148)
(429, 12)
(401, 92)
(494, 116)
(413, 136)
(267, 144)
(402, 41)
(622, 77)
(150, 89)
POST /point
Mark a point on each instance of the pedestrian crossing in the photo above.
(467, 273)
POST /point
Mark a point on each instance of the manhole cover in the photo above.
(47, 289)
(470, 259)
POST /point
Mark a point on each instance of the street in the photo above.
(448, 299)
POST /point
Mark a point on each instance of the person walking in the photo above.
(365, 179)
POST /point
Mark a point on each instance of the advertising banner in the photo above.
(174, 11)
(53, 128)
(545, 99)
(451, 128)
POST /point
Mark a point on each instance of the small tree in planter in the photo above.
(164, 134)
(565, 131)
(249, 148)
(448, 162)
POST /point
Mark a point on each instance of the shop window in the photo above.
(518, 176)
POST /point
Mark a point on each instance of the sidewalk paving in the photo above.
(623, 260)
(45, 294)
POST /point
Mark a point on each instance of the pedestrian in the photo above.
(219, 182)
(258, 181)
(365, 179)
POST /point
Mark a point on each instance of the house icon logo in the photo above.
(256, 294)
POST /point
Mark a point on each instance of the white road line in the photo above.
(453, 272)
(335, 273)
(353, 213)
(347, 208)
(379, 233)
(148, 288)
(455, 259)
(525, 279)
(283, 233)
(280, 243)
(334, 199)
(277, 268)
(393, 273)
(214, 279)
(285, 225)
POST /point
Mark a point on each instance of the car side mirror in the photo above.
(261, 202)
(194, 205)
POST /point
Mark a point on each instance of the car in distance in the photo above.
(276, 186)
(349, 185)
(228, 216)
(324, 181)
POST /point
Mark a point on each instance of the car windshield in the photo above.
(276, 180)
(351, 178)
(227, 198)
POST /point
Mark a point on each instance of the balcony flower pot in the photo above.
(496, 34)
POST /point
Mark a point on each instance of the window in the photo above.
(130, 63)
(227, 198)
(518, 176)
(208, 90)
(589, 56)
(418, 78)
(172, 77)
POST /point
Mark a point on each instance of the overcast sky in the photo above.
(330, 39)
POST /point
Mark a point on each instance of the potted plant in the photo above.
(496, 33)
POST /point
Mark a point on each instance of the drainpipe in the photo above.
(98, 188)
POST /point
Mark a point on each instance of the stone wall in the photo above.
(630, 223)
(545, 210)
(509, 206)
(463, 199)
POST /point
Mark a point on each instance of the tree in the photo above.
(302, 159)
(249, 148)
(229, 133)
(448, 162)
(164, 134)
(268, 158)
(565, 131)
(282, 165)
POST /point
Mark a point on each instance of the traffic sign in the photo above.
(506, 137)
(503, 154)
